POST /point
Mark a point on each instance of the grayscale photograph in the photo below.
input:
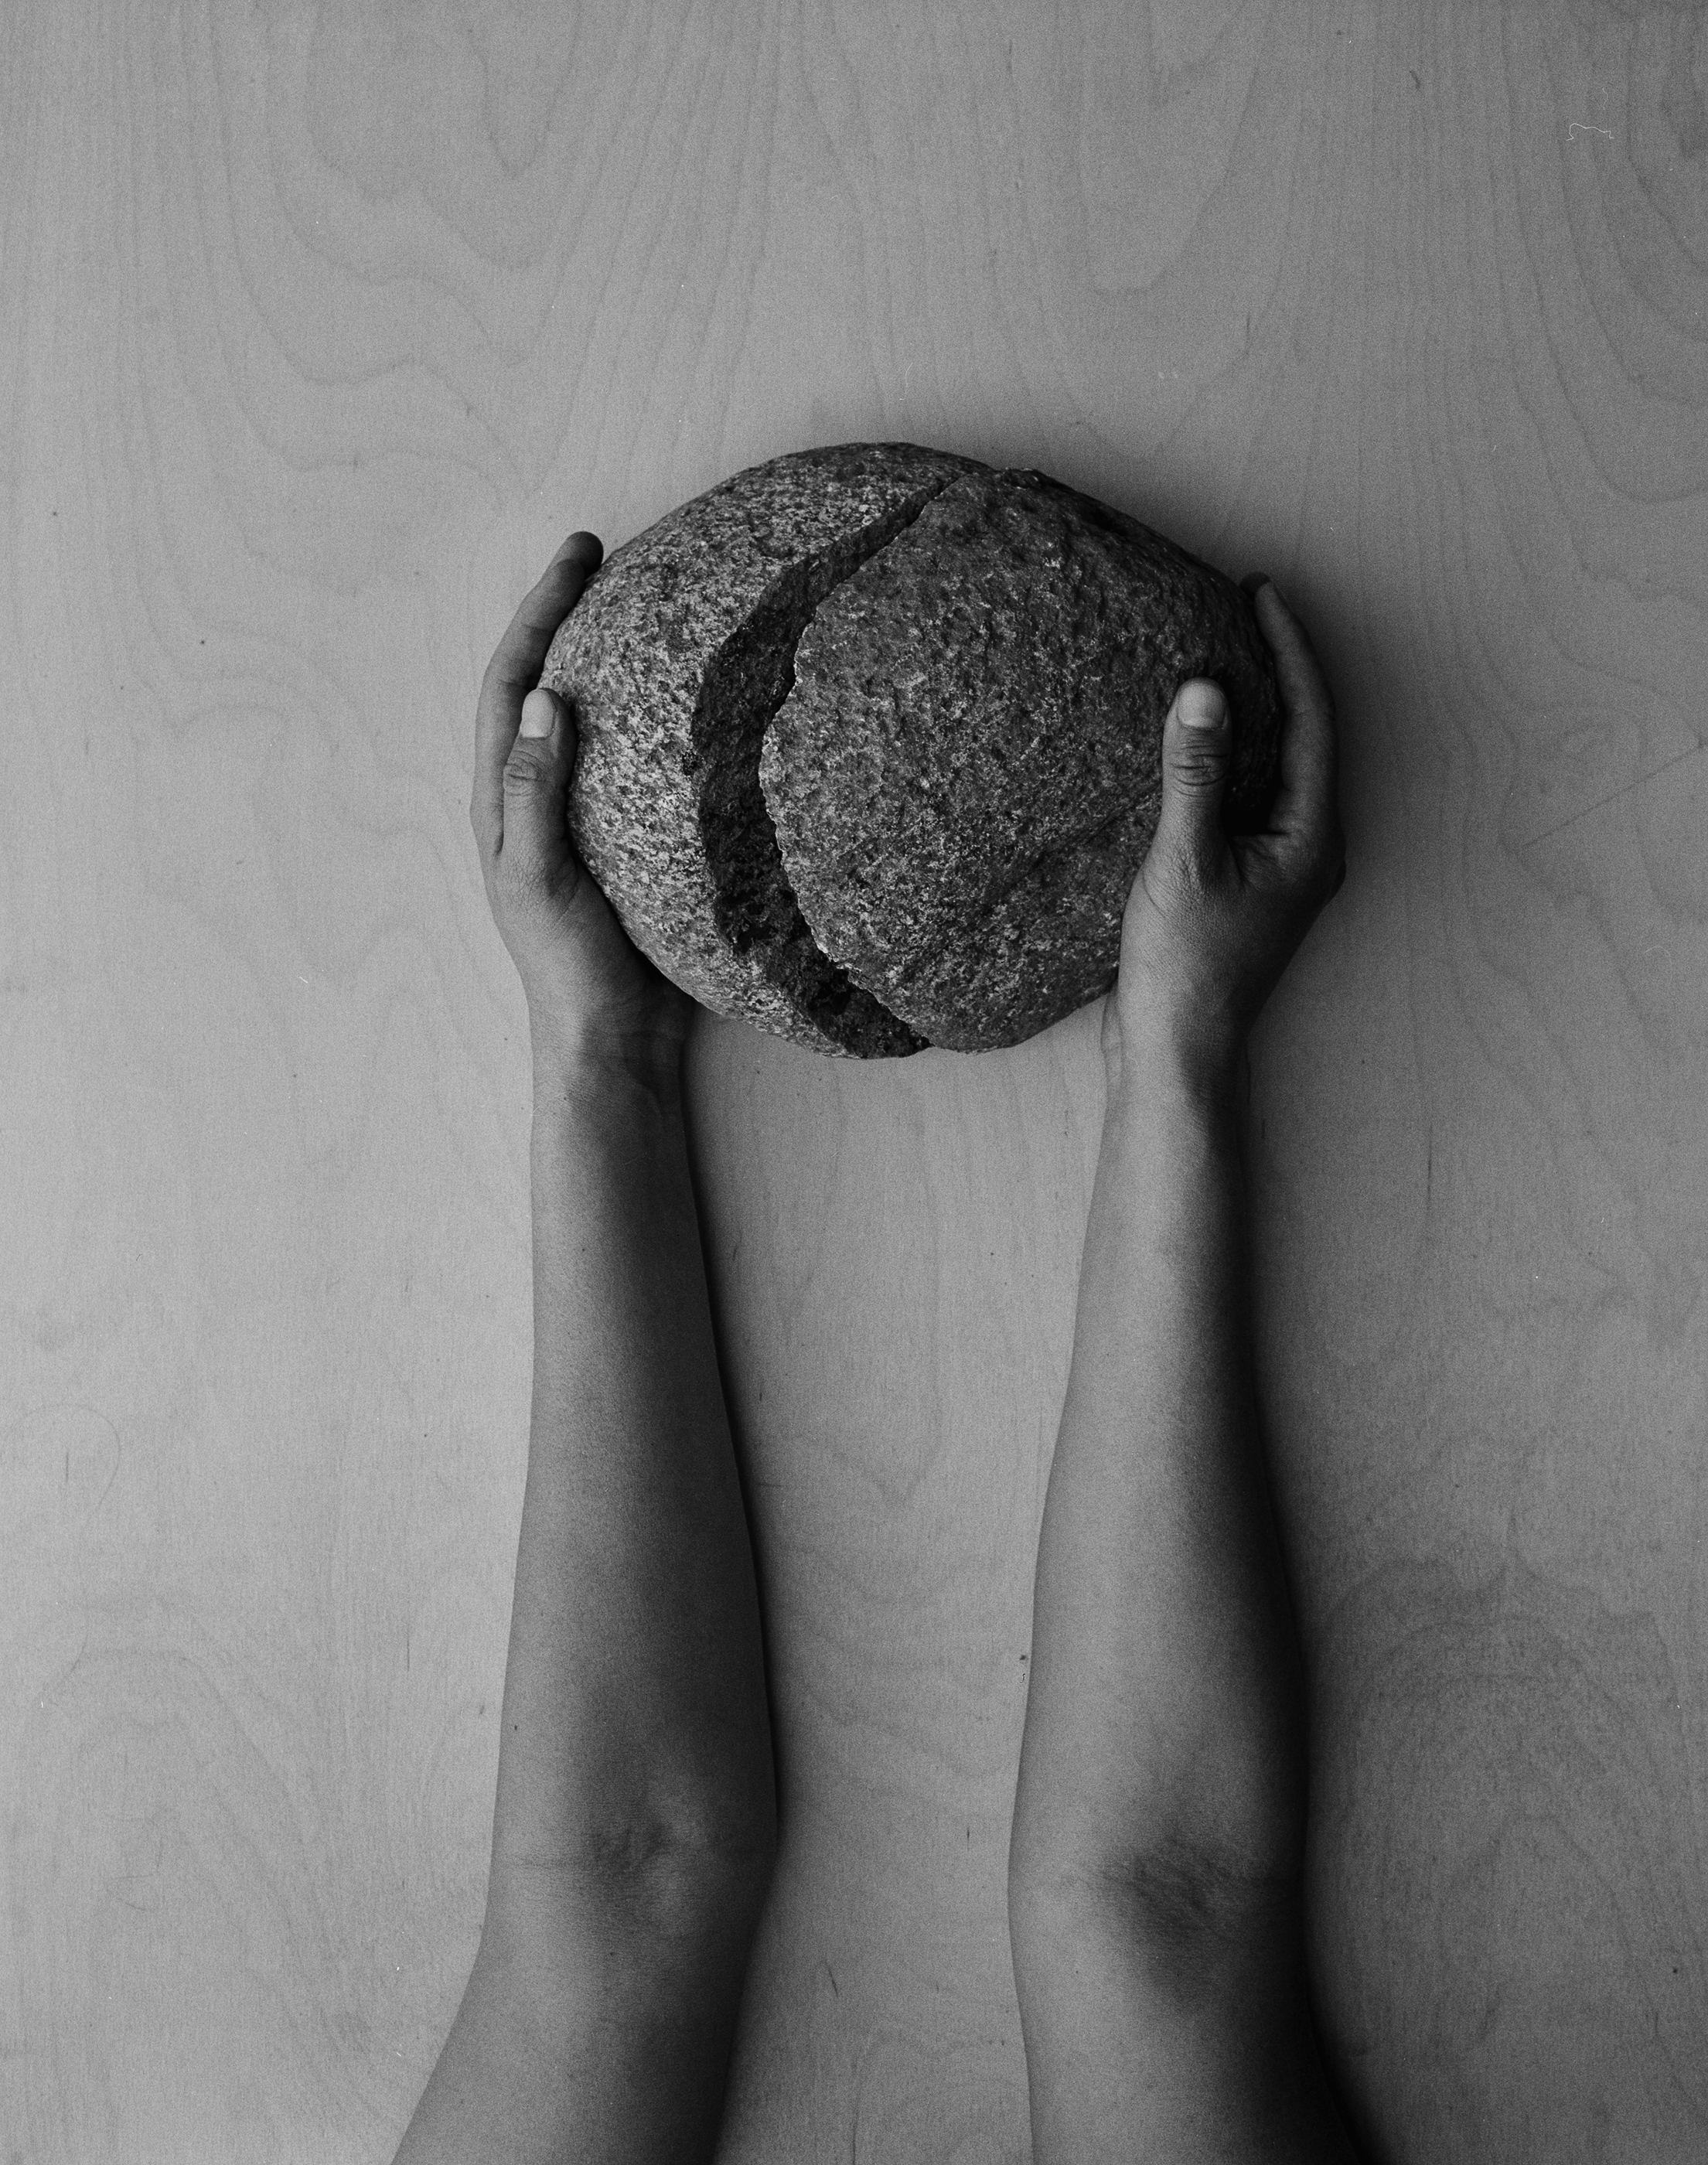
(853, 1102)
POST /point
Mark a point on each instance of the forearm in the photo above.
(1163, 1716)
(634, 1714)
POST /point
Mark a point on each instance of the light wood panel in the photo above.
(319, 329)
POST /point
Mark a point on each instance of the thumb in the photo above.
(537, 782)
(1197, 751)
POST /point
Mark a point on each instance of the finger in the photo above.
(1306, 810)
(515, 670)
(1197, 752)
(534, 843)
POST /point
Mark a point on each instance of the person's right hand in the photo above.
(1212, 919)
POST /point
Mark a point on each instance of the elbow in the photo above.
(1197, 1908)
(1198, 1919)
(713, 1860)
(726, 1832)
(1196, 1902)
(1196, 1873)
(663, 1868)
(721, 1856)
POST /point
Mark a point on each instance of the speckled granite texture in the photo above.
(674, 659)
(967, 774)
(870, 742)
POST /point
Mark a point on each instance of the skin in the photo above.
(1212, 921)
(593, 997)
(634, 1830)
(1155, 1869)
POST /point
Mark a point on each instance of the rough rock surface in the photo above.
(967, 773)
(673, 660)
(870, 741)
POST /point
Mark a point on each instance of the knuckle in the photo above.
(1198, 767)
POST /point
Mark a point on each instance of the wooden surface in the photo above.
(318, 330)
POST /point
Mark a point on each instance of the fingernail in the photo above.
(1202, 707)
(538, 713)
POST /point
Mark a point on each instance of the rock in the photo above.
(871, 740)
(967, 773)
(674, 659)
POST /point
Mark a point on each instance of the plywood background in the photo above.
(319, 329)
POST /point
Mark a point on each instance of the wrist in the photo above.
(572, 1063)
(1158, 1055)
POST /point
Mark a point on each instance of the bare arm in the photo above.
(1156, 1859)
(634, 1715)
(1164, 1699)
(1159, 1823)
(635, 1825)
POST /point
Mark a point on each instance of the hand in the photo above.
(1212, 919)
(590, 992)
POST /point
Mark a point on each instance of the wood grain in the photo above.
(318, 329)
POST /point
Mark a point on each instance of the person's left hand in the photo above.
(590, 992)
